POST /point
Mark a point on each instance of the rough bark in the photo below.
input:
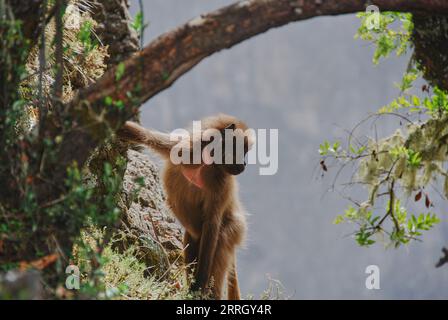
(176, 52)
(114, 30)
(430, 39)
(147, 218)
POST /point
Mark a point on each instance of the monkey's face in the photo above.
(235, 143)
(233, 161)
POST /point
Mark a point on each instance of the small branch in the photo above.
(392, 205)
(390, 211)
(443, 259)
(176, 52)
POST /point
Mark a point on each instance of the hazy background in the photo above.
(311, 80)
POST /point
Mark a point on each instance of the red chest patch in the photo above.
(194, 176)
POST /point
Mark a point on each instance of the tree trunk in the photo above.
(96, 112)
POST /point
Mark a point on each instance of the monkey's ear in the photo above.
(231, 126)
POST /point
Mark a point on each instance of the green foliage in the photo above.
(414, 158)
(86, 37)
(406, 227)
(386, 38)
(408, 79)
(83, 204)
(120, 274)
(119, 104)
(119, 72)
(357, 151)
(14, 50)
(125, 274)
(138, 24)
(327, 148)
(80, 216)
(437, 105)
(363, 237)
(404, 163)
(422, 222)
(406, 100)
(108, 101)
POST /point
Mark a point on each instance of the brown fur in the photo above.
(212, 216)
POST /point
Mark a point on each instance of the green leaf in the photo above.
(324, 148)
(108, 101)
(119, 72)
(414, 158)
(85, 36)
(119, 104)
(137, 25)
(339, 219)
(416, 101)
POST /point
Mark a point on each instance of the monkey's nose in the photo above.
(237, 169)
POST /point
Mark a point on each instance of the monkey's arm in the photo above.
(207, 247)
(158, 141)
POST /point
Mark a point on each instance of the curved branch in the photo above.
(174, 53)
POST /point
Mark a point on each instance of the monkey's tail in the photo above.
(158, 141)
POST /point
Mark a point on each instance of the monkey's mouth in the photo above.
(234, 169)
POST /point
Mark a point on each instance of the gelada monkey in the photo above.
(204, 196)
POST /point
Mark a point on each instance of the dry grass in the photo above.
(82, 66)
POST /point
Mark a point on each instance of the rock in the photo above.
(148, 219)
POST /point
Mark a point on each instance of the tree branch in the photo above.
(176, 52)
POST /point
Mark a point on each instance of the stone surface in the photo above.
(147, 214)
